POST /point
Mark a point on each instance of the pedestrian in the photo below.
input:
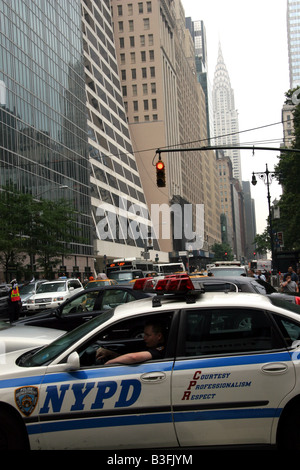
(291, 271)
(260, 275)
(251, 273)
(14, 302)
(288, 285)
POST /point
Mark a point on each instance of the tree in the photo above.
(223, 252)
(40, 229)
(288, 175)
(263, 242)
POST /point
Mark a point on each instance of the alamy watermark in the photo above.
(128, 221)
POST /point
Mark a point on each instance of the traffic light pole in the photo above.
(233, 147)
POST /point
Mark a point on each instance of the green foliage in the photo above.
(263, 242)
(288, 174)
(223, 252)
(42, 229)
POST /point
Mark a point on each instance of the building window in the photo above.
(146, 22)
(123, 74)
(145, 89)
(130, 9)
(131, 25)
(151, 55)
(134, 90)
(144, 72)
(135, 106)
(154, 104)
(131, 41)
(146, 105)
(149, 7)
(133, 74)
(143, 56)
(124, 90)
(142, 40)
(150, 40)
(121, 26)
(122, 43)
(141, 7)
(122, 58)
(152, 72)
(132, 57)
(120, 10)
(153, 88)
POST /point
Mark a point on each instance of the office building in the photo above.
(293, 36)
(43, 132)
(226, 124)
(165, 106)
(119, 208)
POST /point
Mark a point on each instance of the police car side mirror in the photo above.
(73, 361)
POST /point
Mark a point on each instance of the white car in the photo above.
(16, 337)
(52, 293)
(230, 375)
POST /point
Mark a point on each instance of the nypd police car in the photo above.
(230, 375)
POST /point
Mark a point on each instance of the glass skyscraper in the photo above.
(63, 123)
(43, 126)
(293, 30)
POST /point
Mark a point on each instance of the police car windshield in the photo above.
(47, 354)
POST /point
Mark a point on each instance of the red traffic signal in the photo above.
(160, 174)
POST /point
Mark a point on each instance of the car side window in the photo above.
(226, 331)
(113, 298)
(83, 303)
(289, 329)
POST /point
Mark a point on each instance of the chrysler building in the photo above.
(226, 125)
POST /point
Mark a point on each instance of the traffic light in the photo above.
(160, 174)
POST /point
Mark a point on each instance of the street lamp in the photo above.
(61, 186)
(267, 177)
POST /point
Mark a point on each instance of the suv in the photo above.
(29, 289)
(52, 293)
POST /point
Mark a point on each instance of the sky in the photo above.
(253, 37)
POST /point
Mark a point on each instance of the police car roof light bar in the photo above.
(169, 284)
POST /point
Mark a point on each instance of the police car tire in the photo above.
(12, 436)
(290, 430)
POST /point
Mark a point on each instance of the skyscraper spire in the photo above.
(226, 126)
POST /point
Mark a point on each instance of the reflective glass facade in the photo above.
(43, 126)
(119, 209)
(293, 27)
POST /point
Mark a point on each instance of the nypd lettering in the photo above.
(90, 395)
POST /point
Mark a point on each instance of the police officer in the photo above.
(14, 302)
(154, 339)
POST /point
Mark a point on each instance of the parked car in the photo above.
(28, 289)
(228, 375)
(100, 283)
(15, 337)
(84, 306)
(243, 284)
(221, 271)
(51, 294)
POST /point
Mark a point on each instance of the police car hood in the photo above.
(16, 337)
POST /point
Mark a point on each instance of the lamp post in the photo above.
(267, 176)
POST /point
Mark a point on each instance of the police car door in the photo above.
(109, 407)
(231, 374)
